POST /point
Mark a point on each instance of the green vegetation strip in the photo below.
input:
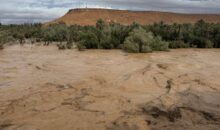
(133, 38)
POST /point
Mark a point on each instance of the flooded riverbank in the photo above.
(43, 88)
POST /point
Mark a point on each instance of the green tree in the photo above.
(100, 24)
(217, 40)
(159, 45)
(178, 44)
(138, 41)
(118, 34)
(61, 32)
(201, 42)
(20, 36)
(49, 35)
(2, 42)
(89, 40)
(74, 32)
(4, 38)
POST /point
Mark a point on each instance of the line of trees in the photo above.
(201, 34)
(131, 38)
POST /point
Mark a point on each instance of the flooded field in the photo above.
(42, 88)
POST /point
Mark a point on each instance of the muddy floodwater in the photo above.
(42, 88)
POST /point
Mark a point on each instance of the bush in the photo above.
(105, 43)
(20, 37)
(217, 40)
(130, 47)
(73, 33)
(178, 44)
(103, 33)
(208, 44)
(81, 47)
(159, 45)
(49, 35)
(61, 32)
(38, 40)
(118, 34)
(69, 45)
(141, 41)
(2, 42)
(200, 42)
(100, 24)
(61, 46)
(89, 40)
(4, 38)
(138, 41)
(1, 46)
(105, 40)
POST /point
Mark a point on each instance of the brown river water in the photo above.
(42, 88)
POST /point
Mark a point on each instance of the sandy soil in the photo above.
(42, 88)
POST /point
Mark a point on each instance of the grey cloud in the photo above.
(20, 11)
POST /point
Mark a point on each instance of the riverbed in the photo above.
(43, 88)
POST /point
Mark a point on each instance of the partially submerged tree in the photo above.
(20, 36)
(159, 45)
(89, 40)
(49, 35)
(140, 41)
(4, 38)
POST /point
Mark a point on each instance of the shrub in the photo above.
(61, 33)
(1, 46)
(89, 40)
(202, 42)
(217, 40)
(20, 37)
(38, 40)
(105, 43)
(208, 43)
(138, 41)
(69, 45)
(100, 24)
(141, 41)
(2, 42)
(159, 45)
(105, 39)
(130, 47)
(178, 44)
(49, 35)
(74, 33)
(81, 47)
(103, 33)
(118, 34)
(4, 38)
(61, 46)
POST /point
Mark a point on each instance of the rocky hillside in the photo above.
(90, 16)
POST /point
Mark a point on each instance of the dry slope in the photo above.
(90, 16)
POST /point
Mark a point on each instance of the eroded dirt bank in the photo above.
(42, 88)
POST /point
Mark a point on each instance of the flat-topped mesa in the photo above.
(89, 16)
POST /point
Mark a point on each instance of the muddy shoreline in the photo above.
(42, 88)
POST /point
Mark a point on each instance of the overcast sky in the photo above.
(20, 11)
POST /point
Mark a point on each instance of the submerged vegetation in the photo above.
(131, 38)
(141, 41)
